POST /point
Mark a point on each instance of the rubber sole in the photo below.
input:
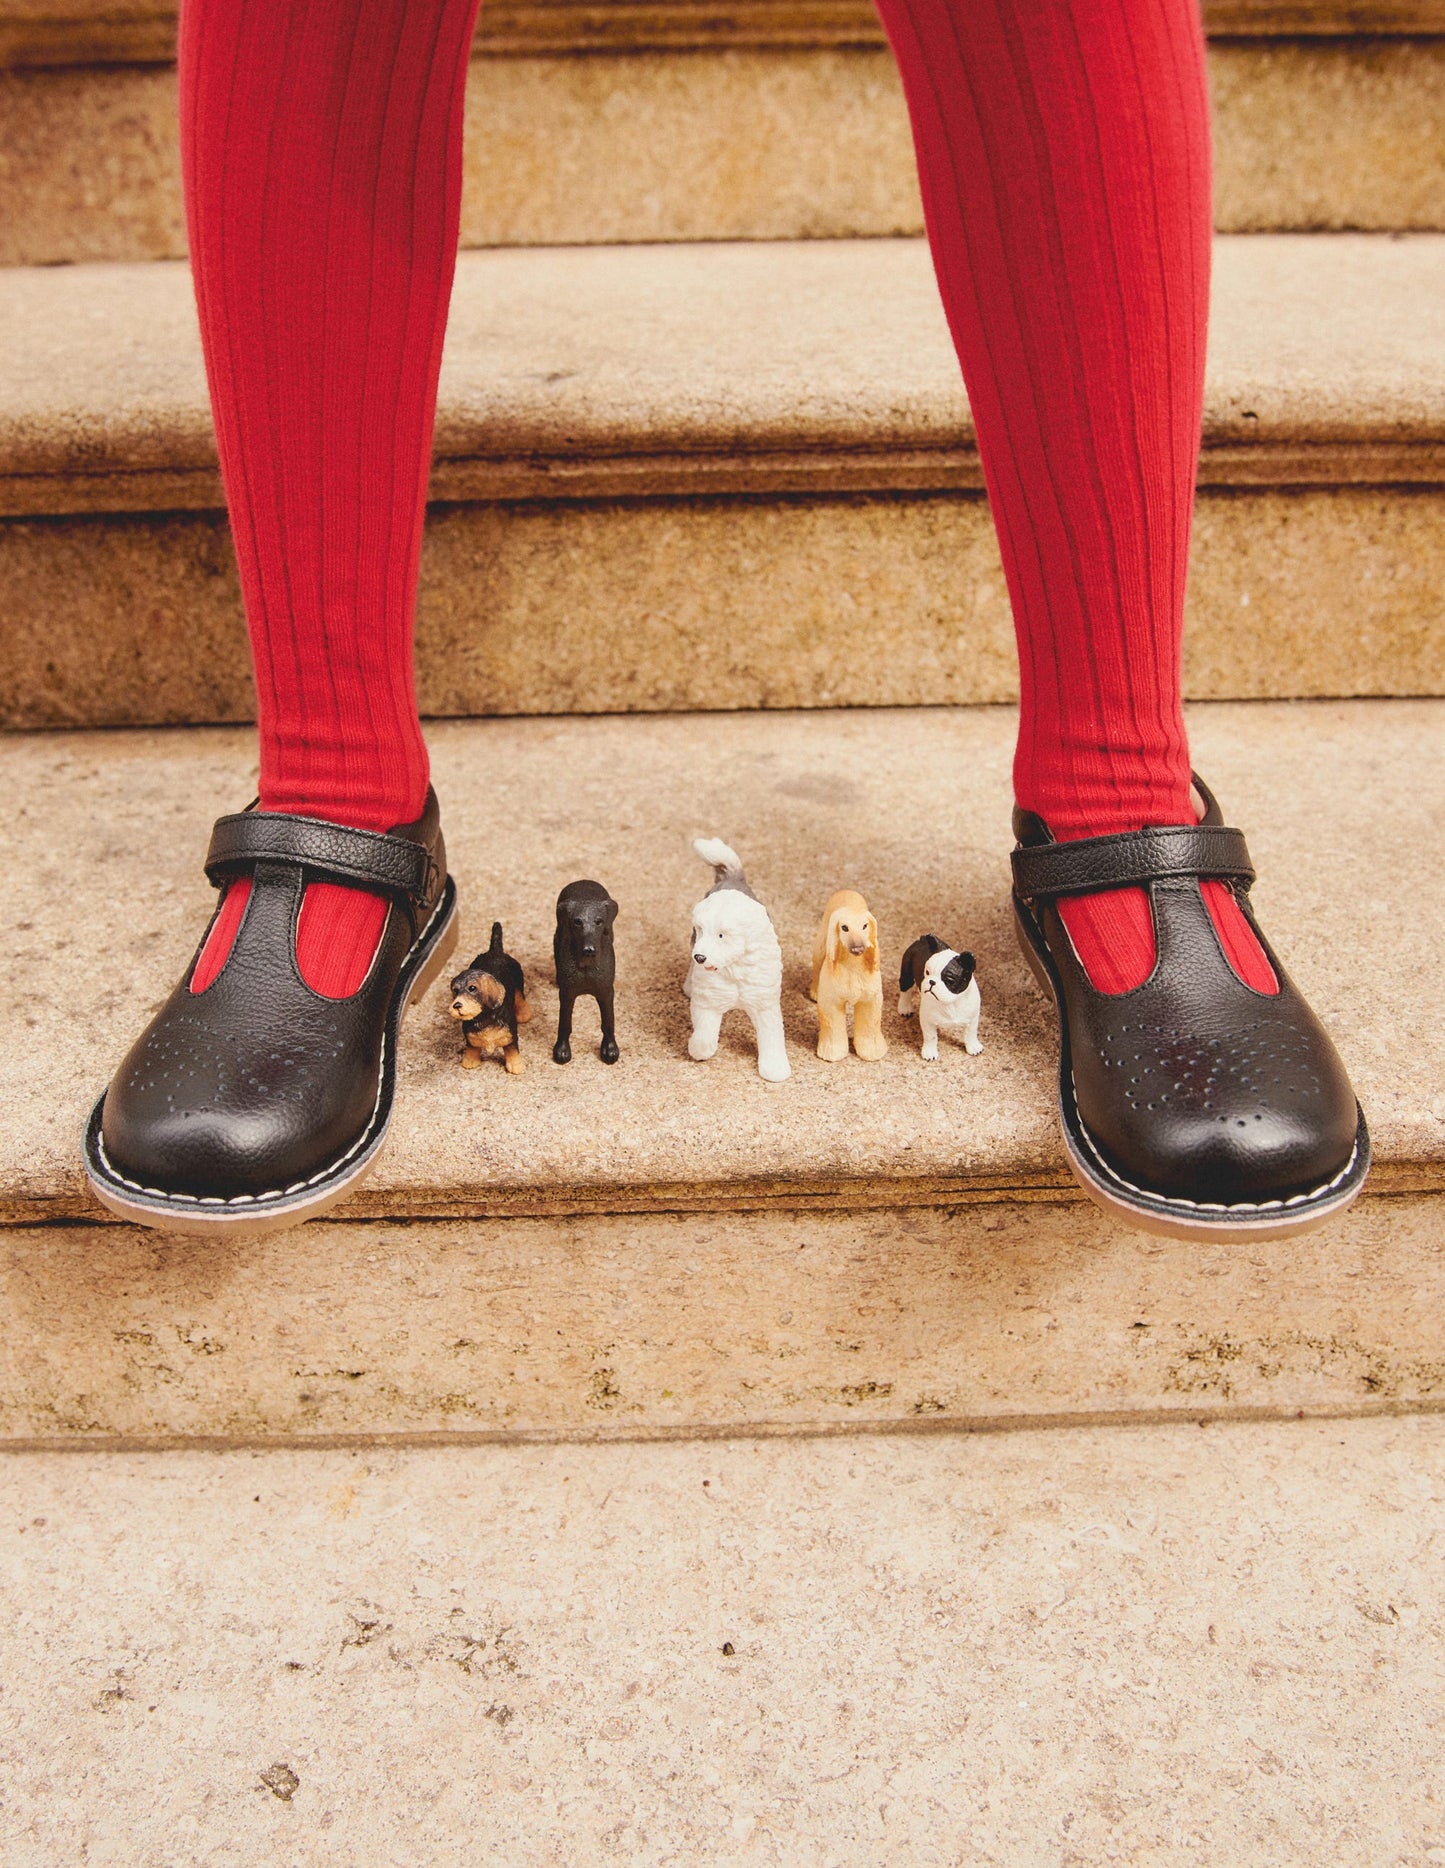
(1161, 1213)
(254, 1216)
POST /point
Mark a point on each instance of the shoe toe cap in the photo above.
(197, 1114)
(1239, 1146)
(206, 1153)
(1236, 1161)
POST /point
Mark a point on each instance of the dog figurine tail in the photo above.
(727, 865)
(495, 950)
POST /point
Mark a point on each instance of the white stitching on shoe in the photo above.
(300, 1186)
(1212, 1206)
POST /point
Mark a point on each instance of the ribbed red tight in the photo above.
(1063, 152)
(1063, 147)
(322, 147)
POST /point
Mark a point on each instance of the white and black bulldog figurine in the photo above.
(938, 982)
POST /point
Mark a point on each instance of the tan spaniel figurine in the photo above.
(847, 973)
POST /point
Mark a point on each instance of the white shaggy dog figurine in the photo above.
(948, 1001)
(736, 961)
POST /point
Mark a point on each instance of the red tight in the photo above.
(1063, 148)
(1063, 152)
(322, 150)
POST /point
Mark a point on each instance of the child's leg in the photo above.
(1063, 150)
(321, 144)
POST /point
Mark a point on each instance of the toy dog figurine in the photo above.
(846, 973)
(490, 1000)
(910, 976)
(586, 963)
(948, 999)
(736, 961)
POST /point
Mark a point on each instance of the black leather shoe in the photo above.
(256, 1103)
(1191, 1105)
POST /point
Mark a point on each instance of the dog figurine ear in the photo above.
(958, 973)
(922, 951)
(491, 991)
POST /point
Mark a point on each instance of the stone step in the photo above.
(107, 832)
(621, 122)
(671, 1247)
(1159, 1646)
(726, 475)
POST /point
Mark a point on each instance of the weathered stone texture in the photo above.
(990, 1315)
(1157, 1646)
(606, 608)
(734, 145)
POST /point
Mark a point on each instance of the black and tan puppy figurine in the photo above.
(847, 973)
(586, 963)
(490, 999)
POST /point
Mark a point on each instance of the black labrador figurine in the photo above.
(490, 999)
(586, 963)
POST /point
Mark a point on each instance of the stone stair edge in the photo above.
(1391, 1180)
(41, 33)
(544, 394)
(583, 1432)
(1025, 1186)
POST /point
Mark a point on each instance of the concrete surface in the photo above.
(729, 144)
(635, 606)
(722, 145)
(107, 833)
(572, 357)
(1037, 1650)
(1332, 135)
(91, 166)
(984, 1316)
